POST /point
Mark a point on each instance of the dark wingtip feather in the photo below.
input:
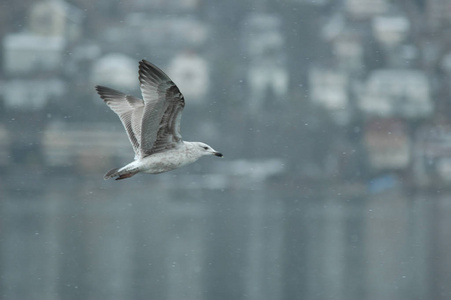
(105, 92)
(99, 88)
(102, 89)
(149, 70)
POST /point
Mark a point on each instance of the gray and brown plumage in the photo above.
(153, 125)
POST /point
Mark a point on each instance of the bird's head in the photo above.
(204, 149)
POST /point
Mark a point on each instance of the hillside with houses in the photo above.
(350, 88)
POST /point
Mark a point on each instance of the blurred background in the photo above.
(333, 116)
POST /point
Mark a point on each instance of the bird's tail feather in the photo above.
(120, 174)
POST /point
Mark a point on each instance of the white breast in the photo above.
(166, 161)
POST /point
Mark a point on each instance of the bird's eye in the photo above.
(206, 148)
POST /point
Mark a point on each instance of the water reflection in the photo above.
(83, 238)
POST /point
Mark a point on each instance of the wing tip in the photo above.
(101, 90)
(105, 92)
(149, 70)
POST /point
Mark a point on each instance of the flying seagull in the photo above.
(153, 125)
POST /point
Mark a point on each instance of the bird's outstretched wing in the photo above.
(163, 105)
(129, 109)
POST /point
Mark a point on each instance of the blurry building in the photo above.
(85, 147)
(142, 34)
(311, 2)
(438, 13)
(365, 9)
(348, 52)
(267, 72)
(171, 5)
(27, 54)
(346, 44)
(52, 24)
(387, 144)
(55, 18)
(115, 70)
(191, 74)
(445, 65)
(329, 88)
(262, 32)
(264, 79)
(432, 156)
(33, 61)
(397, 92)
(34, 58)
(4, 146)
(31, 94)
(333, 26)
(393, 35)
(390, 31)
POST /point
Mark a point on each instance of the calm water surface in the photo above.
(69, 237)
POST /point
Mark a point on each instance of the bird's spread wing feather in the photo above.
(130, 111)
(169, 131)
(162, 110)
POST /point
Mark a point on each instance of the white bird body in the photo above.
(153, 125)
(166, 161)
